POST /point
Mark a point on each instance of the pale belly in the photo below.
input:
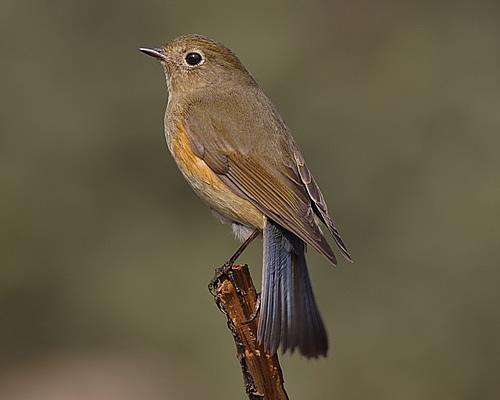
(210, 188)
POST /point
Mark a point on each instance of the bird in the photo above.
(238, 155)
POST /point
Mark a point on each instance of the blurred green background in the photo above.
(106, 253)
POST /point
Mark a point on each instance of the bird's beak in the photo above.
(154, 52)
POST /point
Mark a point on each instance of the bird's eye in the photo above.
(193, 58)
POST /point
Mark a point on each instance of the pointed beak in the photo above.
(154, 52)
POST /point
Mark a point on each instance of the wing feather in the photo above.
(255, 155)
(320, 203)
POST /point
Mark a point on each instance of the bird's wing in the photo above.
(319, 203)
(248, 146)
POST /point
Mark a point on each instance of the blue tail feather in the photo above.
(289, 316)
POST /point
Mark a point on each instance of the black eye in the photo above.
(193, 58)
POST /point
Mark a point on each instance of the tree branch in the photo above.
(235, 295)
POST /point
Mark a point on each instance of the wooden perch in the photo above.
(236, 297)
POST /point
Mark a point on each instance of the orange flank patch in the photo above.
(208, 186)
(191, 164)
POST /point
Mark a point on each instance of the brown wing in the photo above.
(242, 138)
(319, 203)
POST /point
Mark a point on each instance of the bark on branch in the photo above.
(235, 295)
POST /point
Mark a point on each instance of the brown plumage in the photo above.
(234, 149)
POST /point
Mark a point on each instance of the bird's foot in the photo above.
(255, 312)
(225, 270)
(220, 273)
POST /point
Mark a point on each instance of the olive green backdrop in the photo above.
(105, 253)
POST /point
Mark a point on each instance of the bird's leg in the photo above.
(220, 272)
(242, 248)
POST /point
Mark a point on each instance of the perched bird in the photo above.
(236, 152)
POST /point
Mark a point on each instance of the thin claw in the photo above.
(219, 273)
(254, 313)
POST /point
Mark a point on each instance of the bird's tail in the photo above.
(289, 316)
